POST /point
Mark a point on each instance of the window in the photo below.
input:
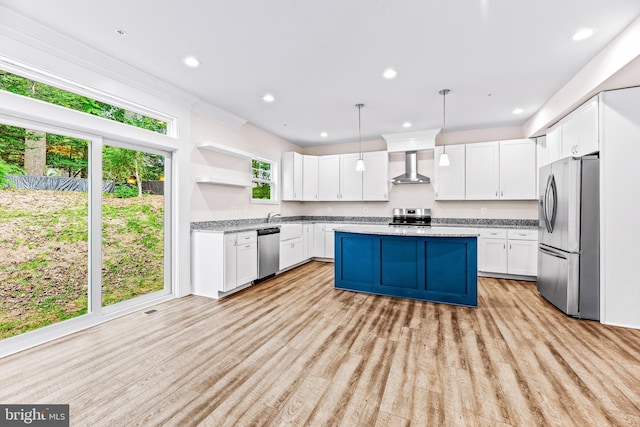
(33, 89)
(263, 180)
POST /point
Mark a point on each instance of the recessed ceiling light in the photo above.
(191, 61)
(268, 98)
(121, 32)
(582, 34)
(390, 73)
(324, 134)
(518, 111)
(406, 125)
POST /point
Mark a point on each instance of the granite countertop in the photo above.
(404, 231)
(235, 226)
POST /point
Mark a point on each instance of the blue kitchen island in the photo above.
(417, 263)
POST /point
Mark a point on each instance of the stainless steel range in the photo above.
(414, 217)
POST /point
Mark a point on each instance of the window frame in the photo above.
(273, 182)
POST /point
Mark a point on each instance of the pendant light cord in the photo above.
(360, 128)
(444, 93)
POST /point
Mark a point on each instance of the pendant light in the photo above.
(360, 162)
(444, 157)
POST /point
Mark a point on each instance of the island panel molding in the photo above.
(439, 269)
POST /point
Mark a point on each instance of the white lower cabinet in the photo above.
(523, 252)
(508, 251)
(307, 240)
(492, 250)
(223, 262)
(291, 252)
(246, 262)
(323, 240)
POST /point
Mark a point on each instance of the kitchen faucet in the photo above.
(271, 215)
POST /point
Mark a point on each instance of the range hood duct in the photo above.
(411, 175)
(410, 143)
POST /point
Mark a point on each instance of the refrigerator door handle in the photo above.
(548, 252)
(554, 193)
(545, 203)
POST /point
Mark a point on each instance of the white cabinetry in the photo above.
(482, 179)
(291, 176)
(291, 245)
(554, 144)
(492, 251)
(508, 251)
(580, 130)
(223, 262)
(310, 178)
(518, 169)
(318, 240)
(307, 238)
(350, 178)
(329, 178)
(334, 177)
(375, 179)
(246, 257)
(523, 252)
(323, 240)
(449, 181)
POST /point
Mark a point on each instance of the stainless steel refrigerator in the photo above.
(568, 236)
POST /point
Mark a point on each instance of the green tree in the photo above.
(69, 154)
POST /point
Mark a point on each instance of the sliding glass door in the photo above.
(84, 228)
(44, 229)
(134, 224)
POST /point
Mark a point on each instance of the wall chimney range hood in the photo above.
(410, 143)
(411, 175)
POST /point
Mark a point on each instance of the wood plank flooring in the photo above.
(295, 351)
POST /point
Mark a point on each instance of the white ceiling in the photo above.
(321, 57)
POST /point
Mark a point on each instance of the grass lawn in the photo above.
(44, 254)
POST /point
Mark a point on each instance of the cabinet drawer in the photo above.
(493, 233)
(247, 237)
(523, 234)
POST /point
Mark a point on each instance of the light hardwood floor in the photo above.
(294, 351)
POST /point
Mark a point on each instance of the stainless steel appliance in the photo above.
(268, 252)
(568, 236)
(415, 217)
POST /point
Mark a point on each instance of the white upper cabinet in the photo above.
(482, 179)
(518, 169)
(589, 128)
(449, 181)
(334, 177)
(329, 178)
(310, 178)
(375, 179)
(578, 132)
(554, 144)
(350, 178)
(291, 176)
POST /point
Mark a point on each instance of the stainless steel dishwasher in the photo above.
(268, 252)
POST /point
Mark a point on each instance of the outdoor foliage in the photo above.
(125, 191)
(32, 89)
(261, 177)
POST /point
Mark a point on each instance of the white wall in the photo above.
(619, 207)
(422, 195)
(211, 202)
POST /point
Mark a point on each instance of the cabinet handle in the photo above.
(496, 194)
(247, 246)
(501, 193)
(504, 246)
(509, 246)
